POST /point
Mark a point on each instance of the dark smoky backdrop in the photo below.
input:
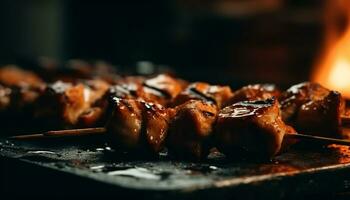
(223, 41)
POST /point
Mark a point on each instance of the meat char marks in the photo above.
(160, 89)
(215, 94)
(137, 126)
(253, 93)
(253, 127)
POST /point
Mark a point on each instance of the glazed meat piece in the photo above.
(96, 113)
(20, 89)
(66, 102)
(313, 109)
(166, 84)
(124, 126)
(160, 89)
(202, 91)
(190, 129)
(253, 93)
(137, 91)
(125, 90)
(14, 76)
(156, 120)
(138, 126)
(253, 127)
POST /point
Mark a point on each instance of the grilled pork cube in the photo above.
(137, 91)
(138, 126)
(156, 122)
(253, 93)
(65, 102)
(124, 126)
(313, 109)
(166, 84)
(190, 129)
(205, 92)
(254, 127)
(160, 89)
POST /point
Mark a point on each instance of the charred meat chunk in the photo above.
(202, 91)
(166, 84)
(160, 89)
(312, 109)
(66, 102)
(191, 128)
(137, 126)
(136, 91)
(253, 127)
(253, 93)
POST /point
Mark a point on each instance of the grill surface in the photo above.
(80, 167)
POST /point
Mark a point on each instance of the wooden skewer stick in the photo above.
(324, 140)
(63, 133)
(102, 130)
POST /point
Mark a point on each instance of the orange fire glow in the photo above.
(333, 68)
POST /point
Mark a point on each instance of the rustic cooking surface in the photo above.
(301, 171)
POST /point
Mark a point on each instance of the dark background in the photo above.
(223, 41)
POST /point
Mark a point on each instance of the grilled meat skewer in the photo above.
(140, 108)
(253, 127)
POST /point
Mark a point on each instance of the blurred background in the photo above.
(221, 41)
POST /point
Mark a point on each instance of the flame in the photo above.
(333, 68)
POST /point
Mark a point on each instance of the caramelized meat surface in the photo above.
(313, 109)
(137, 91)
(253, 93)
(66, 102)
(202, 91)
(190, 129)
(166, 84)
(254, 127)
(125, 90)
(137, 126)
(160, 89)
